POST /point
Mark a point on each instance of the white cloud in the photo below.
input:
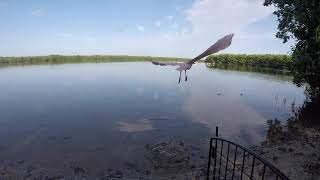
(38, 12)
(226, 16)
(184, 31)
(169, 18)
(140, 28)
(207, 20)
(178, 8)
(157, 23)
(210, 20)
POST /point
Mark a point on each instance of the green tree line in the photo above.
(255, 60)
(299, 20)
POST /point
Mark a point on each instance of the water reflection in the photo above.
(103, 115)
(234, 117)
(240, 102)
(303, 116)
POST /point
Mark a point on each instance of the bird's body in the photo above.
(184, 66)
(219, 45)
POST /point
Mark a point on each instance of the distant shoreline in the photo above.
(61, 59)
(278, 62)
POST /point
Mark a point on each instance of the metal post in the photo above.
(209, 161)
(215, 153)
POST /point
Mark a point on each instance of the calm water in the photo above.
(104, 114)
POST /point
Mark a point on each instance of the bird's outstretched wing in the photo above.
(165, 63)
(219, 45)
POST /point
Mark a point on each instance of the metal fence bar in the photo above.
(243, 159)
(220, 157)
(209, 161)
(213, 151)
(231, 162)
(215, 159)
(225, 174)
(264, 170)
(234, 161)
(252, 167)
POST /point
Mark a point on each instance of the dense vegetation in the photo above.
(300, 19)
(270, 61)
(267, 60)
(254, 69)
(52, 59)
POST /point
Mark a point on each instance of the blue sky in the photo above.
(181, 28)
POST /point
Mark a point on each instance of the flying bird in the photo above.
(221, 44)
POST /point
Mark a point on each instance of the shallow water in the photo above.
(104, 114)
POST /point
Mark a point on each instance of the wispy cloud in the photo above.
(90, 39)
(174, 25)
(157, 23)
(38, 12)
(210, 20)
(225, 16)
(169, 18)
(185, 32)
(178, 8)
(140, 28)
(119, 29)
(77, 37)
(64, 35)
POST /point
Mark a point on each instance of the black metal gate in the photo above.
(229, 160)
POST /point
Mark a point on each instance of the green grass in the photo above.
(59, 59)
(263, 60)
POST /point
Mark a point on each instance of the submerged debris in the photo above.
(78, 170)
(114, 174)
(168, 155)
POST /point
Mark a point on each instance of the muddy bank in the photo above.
(294, 149)
(163, 160)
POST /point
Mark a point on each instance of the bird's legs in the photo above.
(186, 77)
(179, 78)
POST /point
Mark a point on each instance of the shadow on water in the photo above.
(308, 114)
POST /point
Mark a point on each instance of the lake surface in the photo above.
(103, 115)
